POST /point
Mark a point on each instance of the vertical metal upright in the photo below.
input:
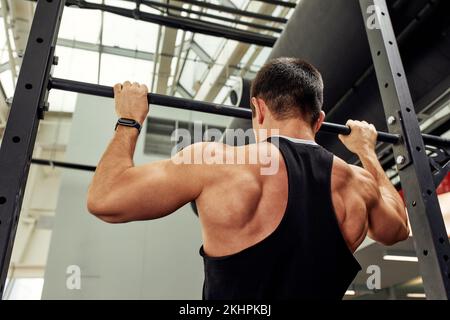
(28, 105)
(430, 236)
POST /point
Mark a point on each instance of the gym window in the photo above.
(162, 135)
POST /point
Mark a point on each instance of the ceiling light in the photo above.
(416, 295)
(350, 292)
(389, 257)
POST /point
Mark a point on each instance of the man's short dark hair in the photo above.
(291, 88)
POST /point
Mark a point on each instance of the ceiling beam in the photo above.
(22, 13)
(231, 55)
(129, 53)
(4, 109)
(7, 66)
(167, 49)
(238, 12)
(170, 8)
(178, 22)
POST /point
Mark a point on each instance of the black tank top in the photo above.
(306, 257)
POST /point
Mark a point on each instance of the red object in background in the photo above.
(401, 194)
(444, 187)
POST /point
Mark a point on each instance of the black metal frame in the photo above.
(31, 95)
(61, 164)
(286, 4)
(28, 105)
(169, 7)
(209, 107)
(178, 22)
(430, 236)
(235, 11)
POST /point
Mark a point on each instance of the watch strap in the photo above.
(128, 123)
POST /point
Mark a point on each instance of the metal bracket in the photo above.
(402, 149)
(402, 156)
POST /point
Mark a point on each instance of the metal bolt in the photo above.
(400, 160)
(391, 120)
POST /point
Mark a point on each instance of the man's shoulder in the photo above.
(353, 182)
(350, 173)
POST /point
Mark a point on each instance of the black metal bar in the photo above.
(430, 236)
(157, 99)
(20, 134)
(60, 164)
(208, 107)
(151, 3)
(436, 141)
(196, 26)
(239, 12)
(286, 4)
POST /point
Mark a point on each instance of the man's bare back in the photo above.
(246, 207)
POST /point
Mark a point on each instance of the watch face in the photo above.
(127, 122)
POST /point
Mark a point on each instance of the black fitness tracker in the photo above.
(128, 123)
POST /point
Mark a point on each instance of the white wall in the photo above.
(32, 239)
(141, 260)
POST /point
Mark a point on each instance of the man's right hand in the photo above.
(362, 138)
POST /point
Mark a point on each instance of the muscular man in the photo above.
(286, 234)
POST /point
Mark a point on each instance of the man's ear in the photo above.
(260, 109)
(319, 122)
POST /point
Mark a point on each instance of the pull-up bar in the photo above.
(208, 107)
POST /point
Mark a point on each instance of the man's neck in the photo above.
(294, 128)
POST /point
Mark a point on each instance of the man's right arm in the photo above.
(388, 222)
